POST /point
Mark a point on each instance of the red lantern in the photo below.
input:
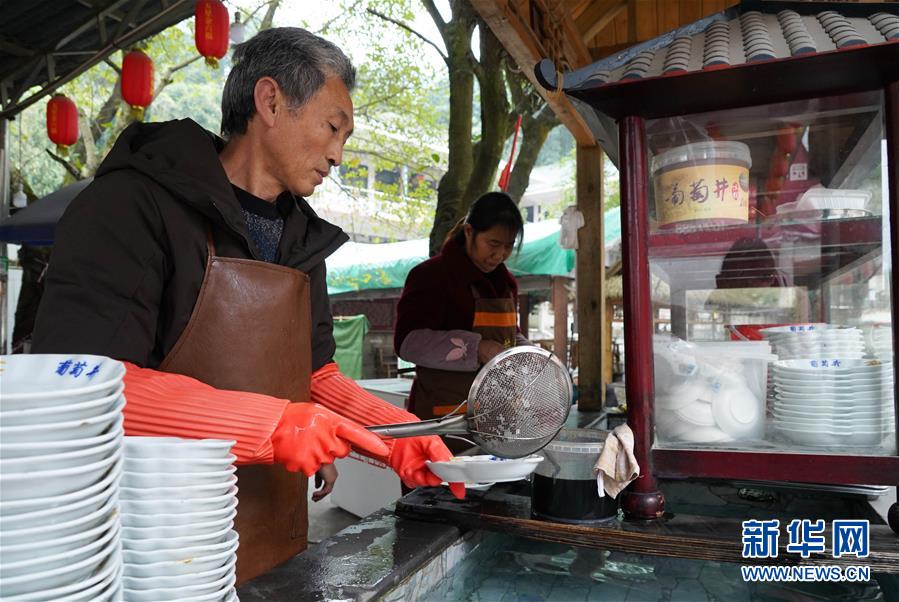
(137, 82)
(211, 30)
(62, 122)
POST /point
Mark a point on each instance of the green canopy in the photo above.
(360, 266)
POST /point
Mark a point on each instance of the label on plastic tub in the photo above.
(712, 191)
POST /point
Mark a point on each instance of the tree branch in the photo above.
(349, 11)
(435, 15)
(73, 171)
(269, 15)
(113, 66)
(399, 23)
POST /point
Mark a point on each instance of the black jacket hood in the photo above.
(182, 157)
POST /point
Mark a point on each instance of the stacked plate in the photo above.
(835, 402)
(816, 341)
(178, 501)
(60, 465)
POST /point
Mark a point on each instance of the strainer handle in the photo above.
(455, 425)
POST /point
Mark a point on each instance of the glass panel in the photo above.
(770, 267)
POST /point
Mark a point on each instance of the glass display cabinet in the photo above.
(759, 218)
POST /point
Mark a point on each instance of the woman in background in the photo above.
(458, 309)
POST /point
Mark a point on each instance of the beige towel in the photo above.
(616, 466)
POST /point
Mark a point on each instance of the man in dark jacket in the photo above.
(183, 253)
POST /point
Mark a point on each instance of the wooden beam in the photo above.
(590, 290)
(560, 318)
(520, 42)
(607, 17)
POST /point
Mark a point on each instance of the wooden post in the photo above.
(560, 318)
(524, 313)
(590, 276)
(607, 356)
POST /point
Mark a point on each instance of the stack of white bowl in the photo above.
(60, 464)
(816, 340)
(179, 500)
(835, 403)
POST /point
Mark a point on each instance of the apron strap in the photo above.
(210, 246)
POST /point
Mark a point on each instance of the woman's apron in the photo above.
(436, 393)
(250, 331)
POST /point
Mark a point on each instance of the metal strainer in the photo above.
(517, 404)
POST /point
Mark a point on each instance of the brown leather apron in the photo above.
(436, 393)
(250, 331)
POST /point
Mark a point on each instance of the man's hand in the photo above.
(408, 461)
(324, 482)
(310, 435)
(487, 350)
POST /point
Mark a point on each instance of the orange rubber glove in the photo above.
(161, 404)
(406, 456)
(310, 435)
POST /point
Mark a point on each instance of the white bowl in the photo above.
(167, 543)
(217, 588)
(151, 465)
(69, 575)
(828, 438)
(44, 448)
(58, 514)
(49, 483)
(185, 566)
(185, 555)
(68, 459)
(173, 447)
(739, 413)
(190, 509)
(484, 469)
(63, 431)
(186, 492)
(214, 596)
(38, 380)
(109, 484)
(53, 559)
(26, 550)
(153, 480)
(704, 434)
(179, 581)
(77, 410)
(42, 532)
(108, 572)
(698, 413)
(180, 530)
(107, 589)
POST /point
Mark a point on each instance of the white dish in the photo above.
(142, 521)
(167, 543)
(67, 412)
(697, 412)
(704, 434)
(108, 589)
(181, 530)
(212, 597)
(484, 469)
(15, 539)
(69, 459)
(186, 492)
(50, 483)
(63, 431)
(57, 514)
(826, 438)
(107, 573)
(173, 447)
(151, 465)
(190, 508)
(183, 592)
(44, 448)
(72, 574)
(739, 413)
(54, 558)
(109, 484)
(185, 555)
(173, 581)
(44, 380)
(153, 480)
(188, 566)
(26, 550)
(849, 425)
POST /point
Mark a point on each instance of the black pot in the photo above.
(570, 501)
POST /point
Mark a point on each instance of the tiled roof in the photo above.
(734, 38)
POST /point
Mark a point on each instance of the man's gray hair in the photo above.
(298, 60)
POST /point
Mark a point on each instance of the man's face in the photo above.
(308, 141)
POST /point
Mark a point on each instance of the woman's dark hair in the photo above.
(491, 209)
